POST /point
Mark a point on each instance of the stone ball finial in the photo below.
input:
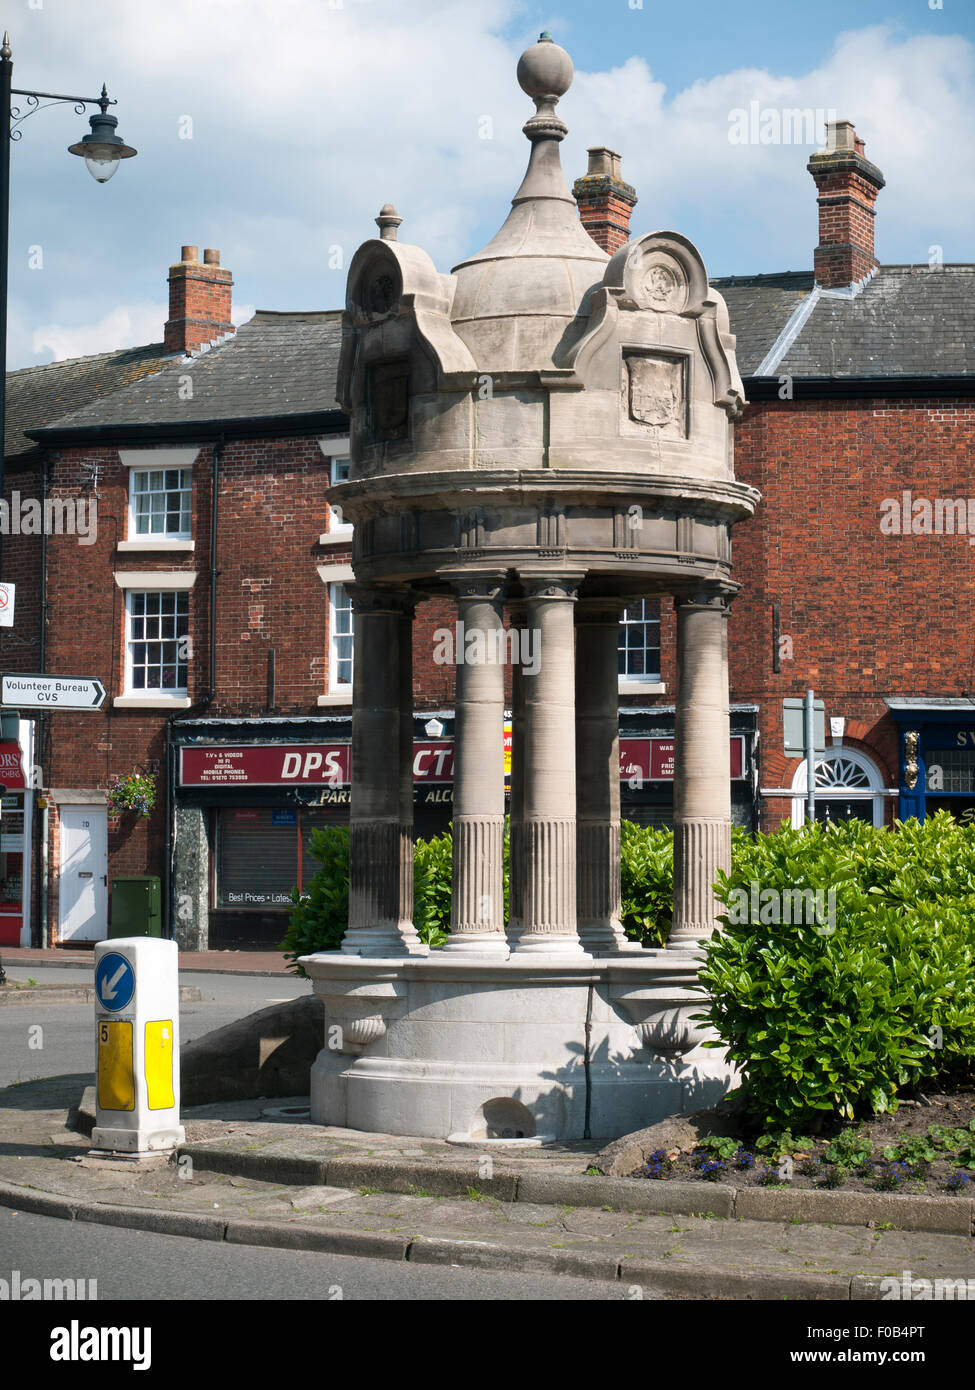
(545, 69)
(388, 221)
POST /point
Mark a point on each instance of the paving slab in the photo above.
(245, 1178)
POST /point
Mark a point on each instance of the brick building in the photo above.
(210, 597)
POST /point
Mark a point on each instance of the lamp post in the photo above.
(101, 149)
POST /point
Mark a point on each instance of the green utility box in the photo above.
(136, 906)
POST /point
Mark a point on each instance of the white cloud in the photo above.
(307, 115)
(129, 325)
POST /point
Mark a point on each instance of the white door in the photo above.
(83, 873)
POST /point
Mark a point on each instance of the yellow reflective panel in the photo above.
(159, 1065)
(116, 1083)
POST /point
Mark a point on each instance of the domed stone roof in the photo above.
(524, 296)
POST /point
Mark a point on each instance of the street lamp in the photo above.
(101, 149)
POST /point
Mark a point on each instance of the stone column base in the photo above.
(701, 848)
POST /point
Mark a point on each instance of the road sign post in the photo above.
(136, 1046)
(52, 692)
(810, 717)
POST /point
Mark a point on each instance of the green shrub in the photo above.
(431, 888)
(646, 882)
(837, 1017)
(319, 917)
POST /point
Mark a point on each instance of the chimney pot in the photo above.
(190, 254)
(840, 135)
(605, 202)
(211, 257)
(604, 161)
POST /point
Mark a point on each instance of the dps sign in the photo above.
(136, 1046)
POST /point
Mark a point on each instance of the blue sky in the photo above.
(304, 116)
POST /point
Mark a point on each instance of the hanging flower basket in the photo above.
(135, 792)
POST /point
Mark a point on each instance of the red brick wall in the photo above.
(272, 509)
(21, 566)
(869, 615)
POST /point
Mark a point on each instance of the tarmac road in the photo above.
(141, 1265)
(68, 1030)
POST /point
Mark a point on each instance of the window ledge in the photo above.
(336, 537)
(642, 687)
(335, 574)
(156, 543)
(336, 698)
(152, 702)
(153, 580)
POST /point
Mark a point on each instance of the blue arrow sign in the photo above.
(114, 981)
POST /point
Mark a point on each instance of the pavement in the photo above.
(248, 1177)
(205, 962)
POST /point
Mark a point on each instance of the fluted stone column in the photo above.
(517, 617)
(380, 841)
(549, 836)
(702, 764)
(598, 775)
(477, 900)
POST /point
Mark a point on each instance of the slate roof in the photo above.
(759, 307)
(905, 321)
(38, 395)
(276, 364)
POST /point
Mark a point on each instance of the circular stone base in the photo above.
(465, 1045)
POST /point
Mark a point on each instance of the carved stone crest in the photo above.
(660, 286)
(656, 281)
(655, 392)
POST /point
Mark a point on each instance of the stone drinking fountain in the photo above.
(544, 433)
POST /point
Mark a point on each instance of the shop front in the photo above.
(647, 766)
(936, 738)
(16, 817)
(249, 795)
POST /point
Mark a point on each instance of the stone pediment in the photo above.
(651, 290)
(398, 309)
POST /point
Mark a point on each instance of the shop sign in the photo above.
(329, 764)
(265, 765)
(652, 759)
(11, 770)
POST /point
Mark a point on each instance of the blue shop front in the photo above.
(936, 741)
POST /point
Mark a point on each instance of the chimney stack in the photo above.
(605, 201)
(199, 302)
(848, 185)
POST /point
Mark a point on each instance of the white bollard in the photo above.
(137, 1046)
